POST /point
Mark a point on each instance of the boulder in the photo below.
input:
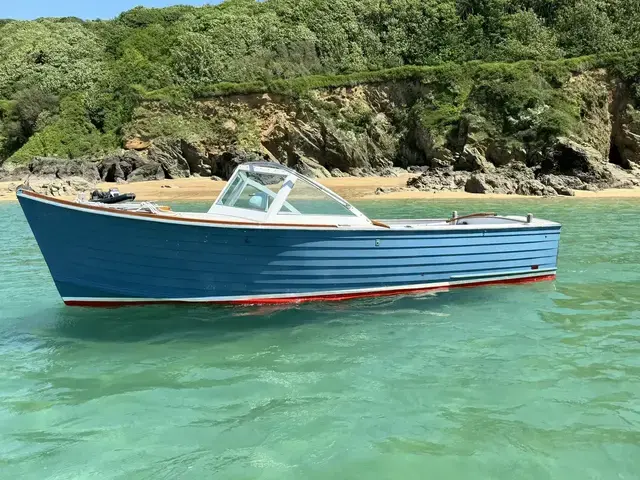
(136, 143)
(148, 171)
(391, 172)
(618, 177)
(311, 168)
(336, 172)
(199, 161)
(472, 160)
(79, 184)
(499, 182)
(84, 169)
(225, 163)
(14, 173)
(418, 168)
(477, 184)
(439, 180)
(571, 158)
(168, 153)
(61, 187)
(518, 179)
(535, 188)
(501, 154)
(117, 168)
(505, 182)
(45, 167)
(51, 167)
(561, 184)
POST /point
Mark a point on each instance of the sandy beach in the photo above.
(351, 188)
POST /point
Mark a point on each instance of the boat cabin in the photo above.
(272, 193)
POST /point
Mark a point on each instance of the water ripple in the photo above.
(537, 381)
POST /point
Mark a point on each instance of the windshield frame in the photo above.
(279, 199)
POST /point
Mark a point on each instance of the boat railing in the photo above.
(489, 215)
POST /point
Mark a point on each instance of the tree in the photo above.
(527, 37)
(584, 28)
(30, 111)
(52, 55)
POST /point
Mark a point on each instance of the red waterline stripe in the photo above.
(313, 298)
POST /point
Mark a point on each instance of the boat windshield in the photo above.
(306, 199)
(252, 190)
(280, 191)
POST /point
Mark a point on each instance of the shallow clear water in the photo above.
(530, 382)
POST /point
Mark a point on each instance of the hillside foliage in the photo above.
(68, 87)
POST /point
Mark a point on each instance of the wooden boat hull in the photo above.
(100, 257)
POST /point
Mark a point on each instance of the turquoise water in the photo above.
(536, 381)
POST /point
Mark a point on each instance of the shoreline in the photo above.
(350, 188)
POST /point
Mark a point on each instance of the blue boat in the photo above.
(275, 236)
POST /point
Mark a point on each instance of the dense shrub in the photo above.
(287, 46)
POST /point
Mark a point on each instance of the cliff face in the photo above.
(521, 132)
(585, 127)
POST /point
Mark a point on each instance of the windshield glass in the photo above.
(253, 191)
(307, 199)
(257, 189)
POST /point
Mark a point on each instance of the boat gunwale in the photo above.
(110, 211)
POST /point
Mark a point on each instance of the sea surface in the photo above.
(538, 381)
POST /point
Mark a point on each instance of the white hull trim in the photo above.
(480, 279)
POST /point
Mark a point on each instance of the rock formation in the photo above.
(472, 143)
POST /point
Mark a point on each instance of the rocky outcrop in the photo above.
(579, 132)
(472, 160)
(136, 143)
(336, 172)
(168, 153)
(563, 184)
(490, 183)
(58, 187)
(148, 171)
(166, 159)
(568, 157)
(199, 162)
(10, 173)
(311, 168)
(120, 167)
(626, 142)
(439, 179)
(224, 164)
(55, 168)
(625, 138)
(516, 179)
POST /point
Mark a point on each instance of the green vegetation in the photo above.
(69, 87)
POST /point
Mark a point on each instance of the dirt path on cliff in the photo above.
(351, 188)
